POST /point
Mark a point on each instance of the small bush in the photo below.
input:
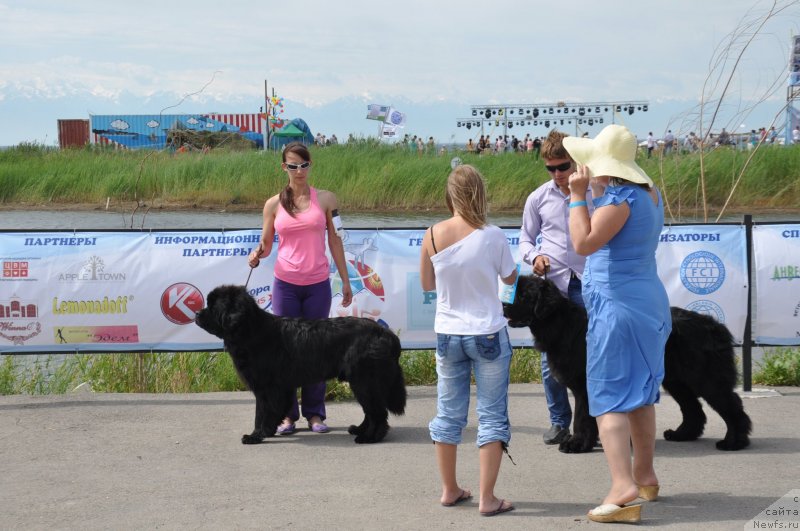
(780, 366)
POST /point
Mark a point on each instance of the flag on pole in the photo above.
(396, 118)
(377, 112)
(388, 130)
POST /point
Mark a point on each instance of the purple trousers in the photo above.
(309, 302)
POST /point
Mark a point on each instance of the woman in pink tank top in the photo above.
(301, 215)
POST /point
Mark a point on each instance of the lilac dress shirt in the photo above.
(546, 215)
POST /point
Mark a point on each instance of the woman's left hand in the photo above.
(579, 180)
(347, 296)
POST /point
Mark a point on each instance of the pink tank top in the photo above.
(301, 245)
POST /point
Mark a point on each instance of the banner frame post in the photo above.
(747, 340)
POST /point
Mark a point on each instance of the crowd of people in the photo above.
(592, 229)
(692, 142)
(503, 144)
(668, 144)
(322, 140)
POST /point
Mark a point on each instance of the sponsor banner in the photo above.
(128, 290)
(400, 303)
(116, 291)
(704, 269)
(776, 251)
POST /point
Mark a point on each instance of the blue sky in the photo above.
(432, 60)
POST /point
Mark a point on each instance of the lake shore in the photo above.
(168, 206)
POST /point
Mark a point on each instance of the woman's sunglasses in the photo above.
(561, 167)
(294, 167)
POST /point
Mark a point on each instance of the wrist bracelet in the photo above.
(577, 204)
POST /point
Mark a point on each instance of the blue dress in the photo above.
(629, 317)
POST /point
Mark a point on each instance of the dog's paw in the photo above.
(372, 436)
(248, 438)
(733, 445)
(363, 439)
(576, 445)
(354, 430)
(679, 436)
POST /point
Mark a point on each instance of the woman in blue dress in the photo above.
(629, 316)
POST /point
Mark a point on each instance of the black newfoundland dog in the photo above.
(698, 362)
(275, 355)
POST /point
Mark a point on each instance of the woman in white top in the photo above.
(461, 259)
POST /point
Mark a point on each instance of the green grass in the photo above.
(366, 177)
(190, 372)
(204, 372)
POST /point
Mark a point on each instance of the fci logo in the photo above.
(180, 302)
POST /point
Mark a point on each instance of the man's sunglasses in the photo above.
(294, 167)
(561, 167)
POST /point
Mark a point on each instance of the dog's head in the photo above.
(536, 299)
(227, 309)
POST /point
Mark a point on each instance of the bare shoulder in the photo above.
(271, 206)
(326, 199)
(653, 194)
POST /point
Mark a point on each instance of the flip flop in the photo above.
(500, 509)
(464, 496)
(609, 512)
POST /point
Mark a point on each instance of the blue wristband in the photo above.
(577, 204)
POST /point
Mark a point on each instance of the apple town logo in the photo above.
(92, 269)
(180, 302)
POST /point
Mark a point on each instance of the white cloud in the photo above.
(120, 124)
(317, 52)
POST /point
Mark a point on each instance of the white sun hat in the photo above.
(611, 153)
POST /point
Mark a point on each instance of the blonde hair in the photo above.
(465, 194)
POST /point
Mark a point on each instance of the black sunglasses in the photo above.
(294, 167)
(561, 167)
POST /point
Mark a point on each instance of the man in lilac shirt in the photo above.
(544, 243)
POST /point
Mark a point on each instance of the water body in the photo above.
(206, 219)
(216, 219)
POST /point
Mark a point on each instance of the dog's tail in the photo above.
(396, 399)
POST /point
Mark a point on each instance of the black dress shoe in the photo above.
(556, 434)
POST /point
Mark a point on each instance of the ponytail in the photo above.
(287, 199)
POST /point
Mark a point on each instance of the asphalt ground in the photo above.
(132, 461)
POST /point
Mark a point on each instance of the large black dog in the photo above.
(275, 355)
(698, 362)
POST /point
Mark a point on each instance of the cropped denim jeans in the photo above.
(457, 358)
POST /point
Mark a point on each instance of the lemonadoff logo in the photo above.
(702, 272)
(783, 514)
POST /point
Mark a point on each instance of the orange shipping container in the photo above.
(73, 133)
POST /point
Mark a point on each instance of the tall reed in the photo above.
(365, 177)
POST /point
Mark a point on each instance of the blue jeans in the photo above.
(457, 357)
(555, 393)
(310, 302)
